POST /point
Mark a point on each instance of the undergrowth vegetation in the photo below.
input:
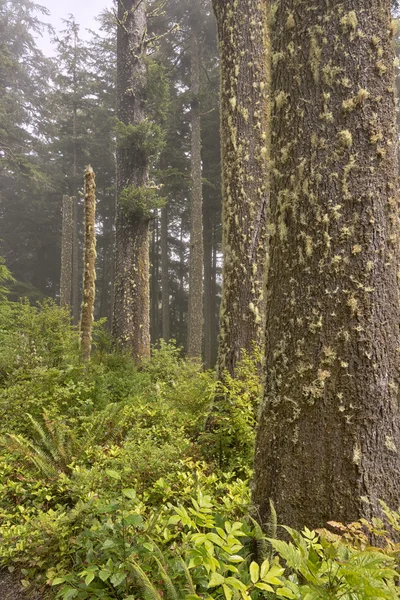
(111, 487)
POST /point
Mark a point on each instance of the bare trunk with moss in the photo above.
(75, 264)
(195, 316)
(131, 312)
(66, 252)
(165, 275)
(328, 438)
(243, 44)
(89, 273)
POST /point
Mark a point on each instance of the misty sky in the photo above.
(84, 12)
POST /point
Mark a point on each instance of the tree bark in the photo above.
(131, 313)
(209, 325)
(154, 296)
(75, 264)
(89, 273)
(165, 275)
(243, 43)
(66, 252)
(195, 317)
(328, 439)
(106, 286)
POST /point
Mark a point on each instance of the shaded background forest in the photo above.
(58, 114)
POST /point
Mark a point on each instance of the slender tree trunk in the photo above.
(195, 319)
(208, 320)
(75, 264)
(213, 297)
(66, 252)
(154, 298)
(89, 273)
(131, 313)
(107, 267)
(328, 444)
(244, 55)
(165, 275)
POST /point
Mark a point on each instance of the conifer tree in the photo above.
(328, 436)
(195, 317)
(131, 314)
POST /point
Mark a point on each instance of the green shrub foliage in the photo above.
(112, 487)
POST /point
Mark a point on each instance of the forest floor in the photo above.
(11, 589)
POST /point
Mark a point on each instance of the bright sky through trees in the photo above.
(85, 14)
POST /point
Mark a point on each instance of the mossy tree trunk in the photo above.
(164, 275)
(328, 439)
(75, 264)
(89, 273)
(131, 313)
(154, 284)
(195, 314)
(209, 325)
(243, 43)
(66, 252)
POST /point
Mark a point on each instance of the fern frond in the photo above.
(189, 578)
(149, 591)
(273, 524)
(172, 594)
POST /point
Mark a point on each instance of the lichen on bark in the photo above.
(328, 437)
(89, 272)
(66, 252)
(131, 311)
(244, 55)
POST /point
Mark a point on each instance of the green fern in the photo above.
(148, 589)
(172, 594)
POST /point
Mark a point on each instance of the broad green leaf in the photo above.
(70, 594)
(273, 574)
(129, 493)
(89, 578)
(58, 580)
(285, 593)
(264, 568)
(227, 592)
(254, 572)
(216, 579)
(148, 546)
(118, 578)
(133, 519)
(236, 583)
(264, 586)
(104, 574)
(113, 474)
(236, 558)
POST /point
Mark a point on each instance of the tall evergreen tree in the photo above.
(137, 142)
(328, 437)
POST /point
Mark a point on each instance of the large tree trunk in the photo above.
(195, 316)
(329, 435)
(164, 275)
(242, 33)
(89, 273)
(66, 252)
(131, 313)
